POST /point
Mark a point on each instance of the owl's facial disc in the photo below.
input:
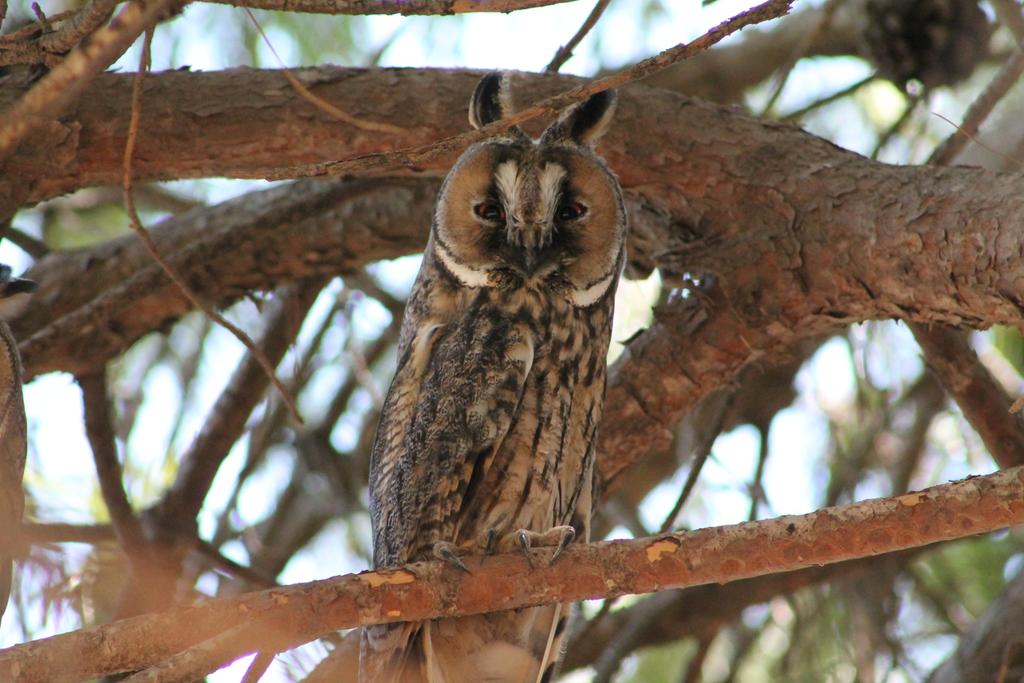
(543, 212)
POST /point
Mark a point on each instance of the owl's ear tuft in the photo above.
(488, 103)
(584, 122)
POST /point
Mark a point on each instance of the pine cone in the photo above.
(938, 42)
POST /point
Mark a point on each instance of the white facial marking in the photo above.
(550, 187)
(506, 177)
(468, 276)
(581, 298)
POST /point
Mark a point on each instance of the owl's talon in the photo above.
(447, 552)
(523, 536)
(567, 536)
(489, 537)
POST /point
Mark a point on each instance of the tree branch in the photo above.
(66, 81)
(100, 431)
(983, 400)
(424, 154)
(403, 7)
(285, 617)
(251, 243)
(805, 238)
(565, 52)
(226, 421)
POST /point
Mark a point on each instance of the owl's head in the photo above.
(545, 213)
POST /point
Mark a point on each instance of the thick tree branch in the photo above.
(282, 618)
(253, 243)
(420, 155)
(55, 91)
(948, 351)
(804, 237)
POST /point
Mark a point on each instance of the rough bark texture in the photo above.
(803, 237)
(285, 617)
(88, 307)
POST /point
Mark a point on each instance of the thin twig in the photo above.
(692, 673)
(259, 665)
(884, 138)
(44, 23)
(30, 31)
(1008, 13)
(801, 49)
(227, 418)
(228, 565)
(100, 431)
(413, 157)
(756, 486)
(403, 7)
(982, 399)
(979, 110)
(319, 103)
(701, 454)
(565, 52)
(136, 225)
(828, 99)
(37, 249)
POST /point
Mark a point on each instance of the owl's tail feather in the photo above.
(391, 653)
(508, 647)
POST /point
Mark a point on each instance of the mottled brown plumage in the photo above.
(486, 441)
(14, 293)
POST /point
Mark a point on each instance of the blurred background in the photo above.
(856, 416)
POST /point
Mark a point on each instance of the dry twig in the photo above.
(136, 224)
(413, 157)
(565, 52)
(318, 102)
(100, 431)
(405, 7)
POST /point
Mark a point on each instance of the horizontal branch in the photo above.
(403, 7)
(286, 617)
(255, 242)
(803, 237)
(48, 97)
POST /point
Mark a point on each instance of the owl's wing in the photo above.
(451, 403)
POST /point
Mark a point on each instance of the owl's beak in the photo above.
(530, 258)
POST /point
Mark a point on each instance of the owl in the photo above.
(14, 295)
(486, 441)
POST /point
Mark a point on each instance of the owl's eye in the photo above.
(490, 211)
(570, 211)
